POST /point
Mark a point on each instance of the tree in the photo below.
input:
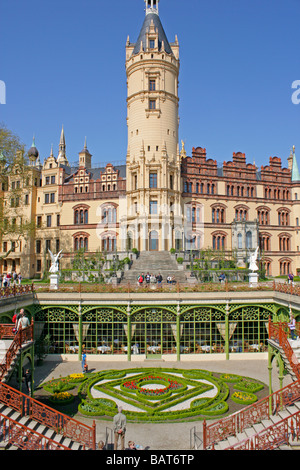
(16, 179)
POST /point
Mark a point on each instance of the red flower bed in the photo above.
(171, 385)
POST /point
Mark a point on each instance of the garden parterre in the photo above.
(157, 394)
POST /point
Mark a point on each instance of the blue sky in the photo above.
(63, 63)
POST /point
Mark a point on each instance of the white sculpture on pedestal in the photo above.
(55, 258)
(54, 268)
(253, 276)
(252, 261)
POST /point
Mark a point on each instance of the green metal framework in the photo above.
(156, 329)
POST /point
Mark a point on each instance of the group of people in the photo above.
(10, 279)
(150, 279)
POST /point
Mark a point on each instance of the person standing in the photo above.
(159, 279)
(119, 428)
(292, 326)
(84, 362)
(28, 380)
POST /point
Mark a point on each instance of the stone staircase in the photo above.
(154, 262)
(295, 344)
(4, 346)
(260, 427)
(275, 419)
(39, 430)
(19, 430)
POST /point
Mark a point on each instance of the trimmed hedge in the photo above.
(187, 385)
(154, 410)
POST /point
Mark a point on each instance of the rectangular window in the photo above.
(152, 104)
(49, 220)
(39, 221)
(47, 198)
(53, 179)
(38, 265)
(153, 207)
(151, 43)
(153, 180)
(48, 245)
(38, 246)
(58, 220)
(47, 180)
(26, 199)
(152, 84)
(52, 198)
(5, 247)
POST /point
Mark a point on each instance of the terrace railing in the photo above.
(23, 336)
(16, 290)
(59, 422)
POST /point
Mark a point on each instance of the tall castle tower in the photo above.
(153, 159)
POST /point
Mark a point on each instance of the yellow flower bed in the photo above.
(245, 398)
(62, 397)
(77, 376)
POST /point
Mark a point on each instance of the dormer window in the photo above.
(151, 43)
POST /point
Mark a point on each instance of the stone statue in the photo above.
(252, 261)
(54, 258)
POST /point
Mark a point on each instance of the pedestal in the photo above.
(253, 279)
(54, 281)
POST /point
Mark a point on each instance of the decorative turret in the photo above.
(85, 158)
(33, 153)
(152, 6)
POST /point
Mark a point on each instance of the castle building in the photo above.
(161, 198)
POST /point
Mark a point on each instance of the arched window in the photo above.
(109, 214)
(109, 241)
(219, 240)
(283, 216)
(285, 266)
(284, 242)
(218, 214)
(241, 213)
(81, 241)
(193, 212)
(81, 215)
(263, 215)
(265, 242)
